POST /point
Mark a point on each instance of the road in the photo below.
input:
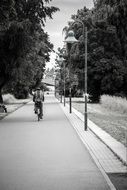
(45, 155)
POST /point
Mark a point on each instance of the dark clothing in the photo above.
(38, 98)
(39, 104)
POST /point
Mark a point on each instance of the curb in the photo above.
(104, 174)
(116, 147)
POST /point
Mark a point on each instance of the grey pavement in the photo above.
(116, 147)
(45, 155)
(96, 144)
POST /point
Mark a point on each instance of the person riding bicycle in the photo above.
(38, 98)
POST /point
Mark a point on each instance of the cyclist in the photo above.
(38, 98)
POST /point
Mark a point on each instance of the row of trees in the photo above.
(107, 52)
(24, 45)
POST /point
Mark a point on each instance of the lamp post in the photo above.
(56, 86)
(85, 68)
(57, 82)
(85, 72)
(64, 85)
(69, 40)
(61, 61)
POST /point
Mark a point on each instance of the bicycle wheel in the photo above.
(38, 117)
(38, 114)
(42, 110)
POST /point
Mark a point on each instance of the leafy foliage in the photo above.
(24, 46)
(115, 13)
(107, 68)
(65, 73)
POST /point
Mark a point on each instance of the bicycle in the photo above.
(38, 110)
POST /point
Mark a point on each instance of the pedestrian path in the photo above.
(107, 159)
(45, 155)
(116, 147)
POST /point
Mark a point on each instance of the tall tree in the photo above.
(106, 62)
(31, 73)
(115, 12)
(20, 20)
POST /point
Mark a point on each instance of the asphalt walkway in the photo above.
(106, 157)
(45, 155)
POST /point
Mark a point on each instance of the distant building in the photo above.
(49, 77)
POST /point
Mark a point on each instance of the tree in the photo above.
(31, 73)
(106, 63)
(115, 13)
(19, 23)
(65, 73)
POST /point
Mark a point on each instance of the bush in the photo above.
(114, 103)
(9, 98)
(94, 98)
(21, 91)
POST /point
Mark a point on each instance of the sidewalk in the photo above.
(96, 140)
(13, 106)
(47, 154)
(116, 147)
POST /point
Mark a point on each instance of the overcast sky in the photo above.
(60, 19)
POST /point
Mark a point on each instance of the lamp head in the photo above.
(70, 38)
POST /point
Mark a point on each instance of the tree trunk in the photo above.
(2, 83)
(1, 98)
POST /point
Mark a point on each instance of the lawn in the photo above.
(12, 104)
(113, 122)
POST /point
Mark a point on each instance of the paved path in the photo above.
(106, 158)
(45, 155)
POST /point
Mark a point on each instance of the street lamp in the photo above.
(85, 66)
(61, 61)
(85, 71)
(56, 86)
(69, 40)
(64, 84)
